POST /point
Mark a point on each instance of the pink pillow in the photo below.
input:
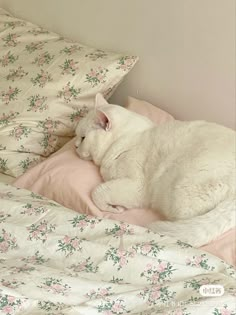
(69, 180)
(144, 108)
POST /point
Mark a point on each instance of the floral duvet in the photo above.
(56, 261)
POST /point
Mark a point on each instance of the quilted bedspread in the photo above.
(56, 261)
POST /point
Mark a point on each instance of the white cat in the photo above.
(184, 170)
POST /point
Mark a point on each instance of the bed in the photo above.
(58, 253)
(6, 178)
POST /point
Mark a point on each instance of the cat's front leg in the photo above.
(118, 195)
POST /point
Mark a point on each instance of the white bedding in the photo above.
(55, 261)
(6, 178)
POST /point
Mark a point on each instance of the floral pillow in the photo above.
(47, 84)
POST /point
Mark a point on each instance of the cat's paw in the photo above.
(101, 199)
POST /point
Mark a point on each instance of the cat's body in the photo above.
(181, 169)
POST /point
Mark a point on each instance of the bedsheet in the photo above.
(56, 261)
(6, 178)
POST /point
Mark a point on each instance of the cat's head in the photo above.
(103, 125)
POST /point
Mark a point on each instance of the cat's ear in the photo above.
(100, 100)
(102, 120)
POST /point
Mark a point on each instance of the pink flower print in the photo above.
(224, 311)
(9, 95)
(42, 81)
(205, 281)
(10, 91)
(72, 64)
(118, 256)
(41, 60)
(6, 236)
(157, 273)
(122, 258)
(121, 252)
(155, 295)
(6, 98)
(7, 309)
(188, 261)
(117, 308)
(49, 125)
(82, 266)
(4, 246)
(67, 88)
(123, 228)
(19, 132)
(161, 267)
(42, 228)
(75, 243)
(10, 299)
(178, 312)
(67, 94)
(48, 143)
(5, 60)
(66, 239)
(125, 63)
(57, 288)
(32, 259)
(82, 223)
(42, 78)
(103, 292)
(40, 231)
(155, 278)
(51, 140)
(146, 248)
(30, 210)
(69, 245)
(129, 63)
(96, 76)
(100, 77)
(198, 260)
(92, 73)
(69, 67)
(38, 103)
(132, 253)
(123, 261)
(35, 234)
(120, 229)
(148, 267)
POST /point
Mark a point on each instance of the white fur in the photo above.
(185, 170)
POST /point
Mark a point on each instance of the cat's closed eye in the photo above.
(82, 139)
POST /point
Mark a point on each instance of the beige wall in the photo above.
(186, 47)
